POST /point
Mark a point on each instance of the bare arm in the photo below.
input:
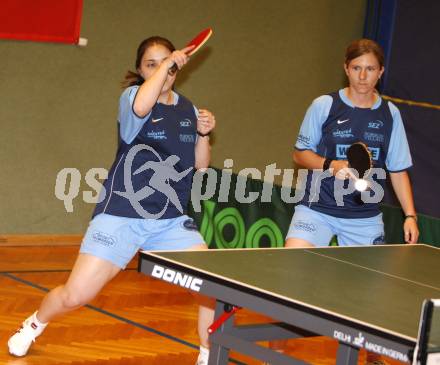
(203, 153)
(150, 90)
(205, 124)
(402, 187)
(313, 161)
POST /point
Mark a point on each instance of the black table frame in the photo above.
(296, 320)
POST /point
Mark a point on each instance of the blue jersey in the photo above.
(152, 173)
(332, 123)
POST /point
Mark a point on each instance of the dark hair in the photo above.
(133, 78)
(363, 46)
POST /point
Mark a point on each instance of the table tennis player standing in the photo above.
(151, 114)
(356, 113)
(333, 122)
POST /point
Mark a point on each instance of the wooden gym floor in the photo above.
(134, 321)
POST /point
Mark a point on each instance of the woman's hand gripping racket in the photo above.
(359, 159)
(196, 43)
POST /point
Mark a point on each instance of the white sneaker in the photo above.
(203, 356)
(30, 329)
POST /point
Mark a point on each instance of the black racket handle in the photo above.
(172, 70)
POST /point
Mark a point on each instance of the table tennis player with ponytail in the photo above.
(152, 119)
(354, 118)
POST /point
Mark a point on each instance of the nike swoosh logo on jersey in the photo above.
(343, 121)
(156, 120)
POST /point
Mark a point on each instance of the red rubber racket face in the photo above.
(199, 40)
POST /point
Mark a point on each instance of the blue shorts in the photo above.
(318, 228)
(118, 239)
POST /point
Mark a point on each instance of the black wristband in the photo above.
(203, 135)
(326, 164)
(411, 216)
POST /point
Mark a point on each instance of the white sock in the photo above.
(37, 322)
(203, 354)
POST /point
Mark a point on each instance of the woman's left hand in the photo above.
(410, 230)
(205, 121)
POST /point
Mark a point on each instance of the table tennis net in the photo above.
(434, 333)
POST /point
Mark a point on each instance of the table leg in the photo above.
(347, 355)
(219, 355)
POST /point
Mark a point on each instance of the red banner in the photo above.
(41, 20)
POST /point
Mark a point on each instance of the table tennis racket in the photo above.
(359, 159)
(197, 42)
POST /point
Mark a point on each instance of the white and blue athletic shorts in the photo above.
(318, 228)
(118, 239)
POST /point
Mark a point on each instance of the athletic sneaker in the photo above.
(203, 356)
(30, 329)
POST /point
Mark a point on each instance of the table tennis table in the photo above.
(364, 297)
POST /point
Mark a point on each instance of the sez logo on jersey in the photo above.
(185, 123)
(375, 124)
